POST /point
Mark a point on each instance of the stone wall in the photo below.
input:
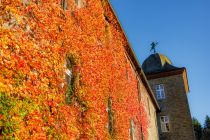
(151, 112)
(176, 106)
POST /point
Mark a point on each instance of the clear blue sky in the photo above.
(182, 28)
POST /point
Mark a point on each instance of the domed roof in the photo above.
(156, 63)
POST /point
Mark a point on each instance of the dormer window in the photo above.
(160, 93)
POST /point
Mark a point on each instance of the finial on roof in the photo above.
(153, 46)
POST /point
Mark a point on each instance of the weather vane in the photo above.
(153, 46)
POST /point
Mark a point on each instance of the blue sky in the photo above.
(182, 28)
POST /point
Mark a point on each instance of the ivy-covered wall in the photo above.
(65, 74)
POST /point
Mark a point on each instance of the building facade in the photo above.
(68, 72)
(170, 86)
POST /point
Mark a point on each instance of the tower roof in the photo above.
(157, 63)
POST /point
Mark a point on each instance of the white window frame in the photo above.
(160, 92)
(164, 122)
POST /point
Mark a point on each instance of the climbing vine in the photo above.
(36, 100)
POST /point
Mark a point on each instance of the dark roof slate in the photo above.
(157, 63)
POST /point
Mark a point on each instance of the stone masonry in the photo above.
(170, 87)
(175, 105)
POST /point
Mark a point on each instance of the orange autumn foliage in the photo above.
(36, 38)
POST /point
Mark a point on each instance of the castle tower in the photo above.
(170, 86)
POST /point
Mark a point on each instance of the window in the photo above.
(139, 90)
(126, 68)
(133, 131)
(68, 72)
(148, 105)
(110, 117)
(64, 4)
(69, 77)
(160, 93)
(164, 121)
(80, 3)
(129, 62)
